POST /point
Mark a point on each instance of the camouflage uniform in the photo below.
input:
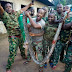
(68, 58)
(57, 51)
(38, 47)
(57, 16)
(58, 48)
(64, 37)
(62, 51)
(14, 36)
(49, 32)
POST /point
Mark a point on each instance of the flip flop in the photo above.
(45, 65)
(51, 65)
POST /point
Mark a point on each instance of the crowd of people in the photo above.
(42, 30)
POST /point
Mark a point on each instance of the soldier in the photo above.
(10, 17)
(58, 19)
(37, 25)
(59, 13)
(49, 32)
(67, 9)
(68, 56)
(61, 43)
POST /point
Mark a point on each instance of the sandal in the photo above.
(54, 67)
(51, 65)
(45, 65)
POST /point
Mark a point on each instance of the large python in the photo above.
(46, 58)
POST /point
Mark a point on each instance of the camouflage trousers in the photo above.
(14, 43)
(46, 46)
(68, 59)
(38, 47)
(57, 51)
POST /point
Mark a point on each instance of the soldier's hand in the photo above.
(27, 13)
(62, 15)
(61, 20)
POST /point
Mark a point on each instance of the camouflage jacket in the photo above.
(65, 34)
(11, 21)
(57, 16)
(50, 31)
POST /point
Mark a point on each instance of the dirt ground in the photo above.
(18, 65)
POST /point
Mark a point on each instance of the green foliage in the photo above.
(63, 2)
(69, 2)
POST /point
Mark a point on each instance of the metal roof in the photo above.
(46, 2)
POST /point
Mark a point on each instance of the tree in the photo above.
(69, 2)
(55, 2)
(63, 2)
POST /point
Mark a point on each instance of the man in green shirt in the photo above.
(10, 17)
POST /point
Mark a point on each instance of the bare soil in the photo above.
(18, 65)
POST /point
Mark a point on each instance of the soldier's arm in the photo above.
(56, 21)
(1, 10)
(32, 22)
(67, 26)
(25, 8)
(59, 20)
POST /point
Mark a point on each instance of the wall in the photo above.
(17, 6)
(2, 28)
